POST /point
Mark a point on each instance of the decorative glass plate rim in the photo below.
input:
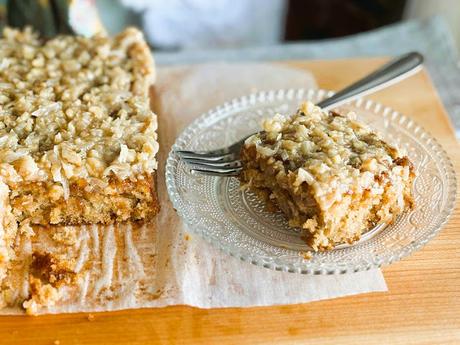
(306, 267)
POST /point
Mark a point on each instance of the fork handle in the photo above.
(390, 73)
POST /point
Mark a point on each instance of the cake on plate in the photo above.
(328, 173)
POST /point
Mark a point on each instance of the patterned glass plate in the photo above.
(238, 223)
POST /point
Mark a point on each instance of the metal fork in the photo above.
(226, 162)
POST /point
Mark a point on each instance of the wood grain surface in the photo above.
(421, 307)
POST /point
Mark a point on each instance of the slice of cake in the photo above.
(328, 174)
(77, 137)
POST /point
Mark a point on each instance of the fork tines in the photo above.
(221, 162)
(218, 163)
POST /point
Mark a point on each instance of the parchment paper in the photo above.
(160, 264)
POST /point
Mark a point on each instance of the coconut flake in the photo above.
(304, 176)
(49, 108)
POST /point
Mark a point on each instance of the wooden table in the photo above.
(421, 307)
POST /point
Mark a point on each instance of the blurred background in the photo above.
(195, 24)
(175, 25)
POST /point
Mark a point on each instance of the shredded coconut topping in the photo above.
(75, 107)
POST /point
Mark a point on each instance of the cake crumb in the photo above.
(90, 317)
(57, 342)
(306, 255)
(187, 237)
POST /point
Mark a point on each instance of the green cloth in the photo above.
(49, 17)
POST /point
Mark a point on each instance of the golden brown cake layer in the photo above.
(117, 201)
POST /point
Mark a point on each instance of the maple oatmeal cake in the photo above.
(78, 140)
(328, 173)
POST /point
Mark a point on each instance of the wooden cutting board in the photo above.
(421, 307)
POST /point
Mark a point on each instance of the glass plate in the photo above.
(238, 223)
